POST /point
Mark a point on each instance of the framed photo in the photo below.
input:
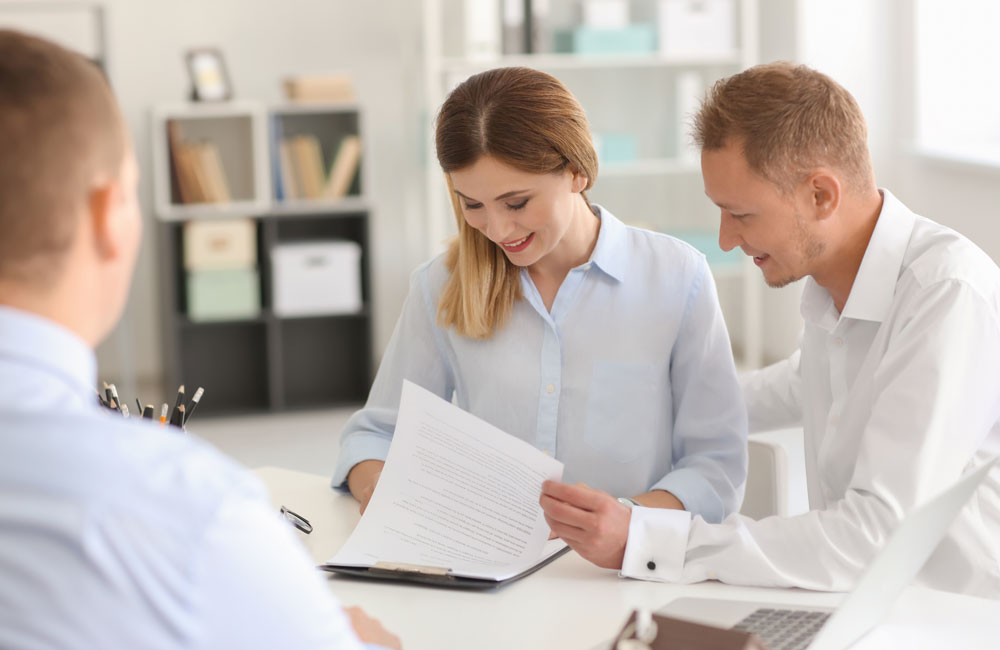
(209, 80)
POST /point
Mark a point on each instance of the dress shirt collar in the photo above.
(42, 344)
(872, 292)
(611, 250)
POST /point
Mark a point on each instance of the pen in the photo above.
(163, 414)
(194, 403)
(107, 394)
(114, 393)
(125, 410)
(147, 413)
(138, 405)
(177, 418)
(178, 402)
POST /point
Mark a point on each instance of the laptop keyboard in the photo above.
(783, 629)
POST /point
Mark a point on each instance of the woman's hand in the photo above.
(362, 478)
(369, 630)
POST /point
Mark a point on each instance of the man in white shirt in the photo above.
(897, 379)
(114, 534)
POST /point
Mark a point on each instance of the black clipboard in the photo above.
(435, 576)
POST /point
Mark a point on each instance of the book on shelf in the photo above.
(303, 174)
(210, 164)
(308, 164)
(289, 178)
(344, 167)
(198, 170)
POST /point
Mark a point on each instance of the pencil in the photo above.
(163, 414)
(194, 403)
(177, 418)
(178, 402)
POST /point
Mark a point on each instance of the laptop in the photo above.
(794, 627)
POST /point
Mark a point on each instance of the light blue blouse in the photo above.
(629, 380)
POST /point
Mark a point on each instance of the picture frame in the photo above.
(209, 78)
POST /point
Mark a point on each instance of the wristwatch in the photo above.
(628, 502)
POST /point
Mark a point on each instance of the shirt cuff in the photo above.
(657, 541)
(355, 449)
(695, 492)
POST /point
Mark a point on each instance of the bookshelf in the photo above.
(637, 102)
(266, 289)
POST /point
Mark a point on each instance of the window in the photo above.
(957, 61)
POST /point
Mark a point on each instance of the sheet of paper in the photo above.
(456, 492)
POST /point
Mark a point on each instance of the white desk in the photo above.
(573, 604)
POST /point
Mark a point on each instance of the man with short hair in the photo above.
(114, 534)
(897, 379)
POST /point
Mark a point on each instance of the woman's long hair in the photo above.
(523, 118)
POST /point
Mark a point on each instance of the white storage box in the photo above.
(315, 279)
(697, 27)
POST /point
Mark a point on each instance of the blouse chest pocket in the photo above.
(624, 408)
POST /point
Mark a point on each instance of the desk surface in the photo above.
(573, 604)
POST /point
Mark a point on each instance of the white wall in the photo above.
(862, 44)
(263, 41)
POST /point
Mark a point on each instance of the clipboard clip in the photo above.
(402, 567)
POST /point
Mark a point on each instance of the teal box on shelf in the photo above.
(223, 294)
(617, 147)
(634, 39)
(708, 244)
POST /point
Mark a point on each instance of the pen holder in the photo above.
(176, 417)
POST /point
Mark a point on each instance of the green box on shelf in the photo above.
(224, 294)
(634, 39)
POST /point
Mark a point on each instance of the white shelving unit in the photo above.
(660, 188)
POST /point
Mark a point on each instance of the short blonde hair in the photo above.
(60, 128)
(789, 119)
(526, 119)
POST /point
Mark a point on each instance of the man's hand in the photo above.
(369, 630)
(362, 478)
(592, 522)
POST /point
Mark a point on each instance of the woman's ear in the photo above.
(580, 181)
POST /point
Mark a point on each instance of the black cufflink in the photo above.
(651, 565)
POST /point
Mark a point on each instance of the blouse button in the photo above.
(651, 565)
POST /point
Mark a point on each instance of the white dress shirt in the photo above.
(628, 380)
(119, 533)
(898, 396)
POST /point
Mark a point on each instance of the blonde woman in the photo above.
(600, 344)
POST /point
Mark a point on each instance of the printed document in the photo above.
(455, 493)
